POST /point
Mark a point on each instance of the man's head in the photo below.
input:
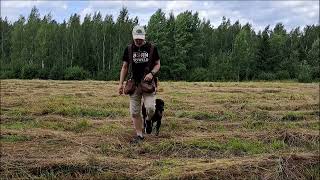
(138, 35)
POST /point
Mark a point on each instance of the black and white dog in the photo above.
(156, 117)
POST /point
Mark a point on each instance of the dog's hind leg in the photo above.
(158, 127)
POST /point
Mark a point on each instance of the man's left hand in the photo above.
(148, 77)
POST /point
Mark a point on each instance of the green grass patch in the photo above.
(312, 172)
(172, 125)
(89, 112)
(200, 115)
(165, 162)
(15, 112)
(14, 138)
(181, 114)
(107, 148)
(234, 146)
(111, 128)
(69, 106)
(219, 128)
(177, 105)
(278, 144)
(74, 126)
(311, 125)
(60, 126)
(204, 116)
(293, 116)
(20, 125)
(255, 125)
(165, 146)
(241, 146)
(262, 116)
(80, 126)
(205, 144)
(166, 169)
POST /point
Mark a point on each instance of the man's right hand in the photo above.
(120, 89)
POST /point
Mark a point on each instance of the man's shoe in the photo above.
(137, 139)
(148, 127)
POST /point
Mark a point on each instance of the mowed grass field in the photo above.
(81, 130)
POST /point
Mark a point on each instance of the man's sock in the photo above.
(140, 134)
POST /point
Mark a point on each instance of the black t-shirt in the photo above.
(140, 59)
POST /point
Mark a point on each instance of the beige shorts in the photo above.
(149, 100)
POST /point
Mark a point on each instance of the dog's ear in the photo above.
(159, 101)
(162, 102)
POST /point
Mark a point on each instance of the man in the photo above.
(141, 56)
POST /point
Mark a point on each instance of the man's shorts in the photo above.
(149, 100)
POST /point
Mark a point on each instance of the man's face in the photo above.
(139, 42)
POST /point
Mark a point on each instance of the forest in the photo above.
(190, 48)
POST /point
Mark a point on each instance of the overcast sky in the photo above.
(258, 13)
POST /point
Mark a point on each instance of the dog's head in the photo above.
(159, 105)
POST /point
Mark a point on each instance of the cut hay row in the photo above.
(81, 130)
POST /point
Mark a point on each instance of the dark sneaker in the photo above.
(137, 139)
(148, 127)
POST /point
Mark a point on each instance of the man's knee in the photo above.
(135, 107)
(135, 116)
(135, 112)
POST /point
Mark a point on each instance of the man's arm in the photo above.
(154, 71)
(123, 74)
(156, 67)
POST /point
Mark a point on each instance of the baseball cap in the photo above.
(138, 32)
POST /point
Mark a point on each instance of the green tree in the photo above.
(17, 47)
(304, 73)
(168, 52)
(5, 28)
(241, 56)
(263, 54)
(199, 74)
(313, 59)
(123, 26)
(96, 43)
(179, 71)
(156, 29)
(188, 40)
(73, 39)
(108, 39)
(85, 44)
(206, 41)
(30, 31)
(42, 42)
(190, 49)
(76, 73)
(278, 54)
(294, 48)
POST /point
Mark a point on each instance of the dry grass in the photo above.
(81, 130)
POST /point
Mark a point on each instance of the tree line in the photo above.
(190, 48)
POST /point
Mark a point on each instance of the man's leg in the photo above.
(135, 111)
(150, 104)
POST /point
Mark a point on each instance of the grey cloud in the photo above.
(258, 13)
